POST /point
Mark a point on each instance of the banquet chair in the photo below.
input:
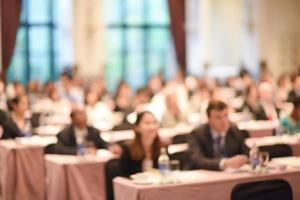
(277, 150)
(183, 158)
(180, 139)
(274, 189)
(111, 171)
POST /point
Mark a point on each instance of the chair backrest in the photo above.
(275, 189)
(277, 150)
(183, 157)
(50, 149)
(245, 134)
(112, 170)
(180, 139)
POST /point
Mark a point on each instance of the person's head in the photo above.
(54, 95)
(284, 81)
(19, 88)
(98, 85)
(252, 92)
(296, 83)
(78, 117)
(91, 98)
(155, 83)
(2, 86)
(266, 91)
(19, 104)
(33, 86)
(123, 90)
(146, 129)
(142, 96)
(217, 113)
(66, 79)
(296, 110)
(172, 102)
(146, 125)
(49, 85)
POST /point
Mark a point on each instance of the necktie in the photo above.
(219, 147)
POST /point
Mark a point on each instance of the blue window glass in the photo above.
(44, 29)
(138, 39)
(39, 11)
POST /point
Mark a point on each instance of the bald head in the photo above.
(265, 90)
(78, 117)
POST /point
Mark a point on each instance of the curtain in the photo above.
(177, 17)
(10, 19)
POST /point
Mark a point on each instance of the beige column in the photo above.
(221, 31)
(89, 37)
(205, 23)
(279, 34)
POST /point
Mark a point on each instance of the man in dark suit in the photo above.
(218, 144)
(79, 132)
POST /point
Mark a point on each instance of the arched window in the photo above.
(43, 45)
(137, 40)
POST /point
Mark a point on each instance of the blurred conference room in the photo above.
(149, 99)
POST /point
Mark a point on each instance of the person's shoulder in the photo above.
(201, 129)
(235, 131)
(65, 130)
(93, 129)
(284, 121)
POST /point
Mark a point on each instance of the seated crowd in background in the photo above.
(179, 100)
(83, 111)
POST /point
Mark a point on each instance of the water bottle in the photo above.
(254, 157)
(163, 162)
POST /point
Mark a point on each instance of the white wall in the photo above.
(230, 32)
(278, 25)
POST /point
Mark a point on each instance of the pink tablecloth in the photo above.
(22, 171)
(212, 186)
(258, 128)
(72, 177)
(292, 140)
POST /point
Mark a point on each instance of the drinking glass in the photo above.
(265, 158)
(174, 167)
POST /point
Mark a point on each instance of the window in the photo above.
(137, 40)
(45, 27)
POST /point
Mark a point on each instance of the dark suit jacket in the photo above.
(260, 114)
(67, 140)
(201, 147)
(128, 166)
(293, 95)
(10, 129)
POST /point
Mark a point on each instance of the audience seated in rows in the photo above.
(262, 99)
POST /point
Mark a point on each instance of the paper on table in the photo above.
(289, 161)
(103, 153)
(144, 178)
(244, 168)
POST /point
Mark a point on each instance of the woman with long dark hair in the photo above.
(17, 124)
(141, 154)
